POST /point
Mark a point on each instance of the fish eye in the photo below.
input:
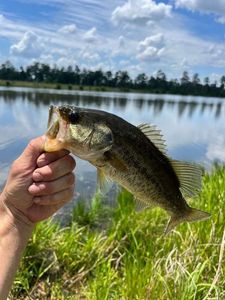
(73, 117)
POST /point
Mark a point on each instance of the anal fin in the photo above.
(173, 222)
(140, 205)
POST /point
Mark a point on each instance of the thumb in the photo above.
(33, 150)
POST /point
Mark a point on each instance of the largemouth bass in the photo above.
(134, 157)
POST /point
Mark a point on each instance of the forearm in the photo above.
(14, 235)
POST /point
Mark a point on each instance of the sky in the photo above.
(140, 36)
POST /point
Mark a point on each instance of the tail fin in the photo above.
(192, 215)
(196, 215)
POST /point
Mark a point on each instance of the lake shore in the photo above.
(73, 87)
(61, 86)
(120, 254)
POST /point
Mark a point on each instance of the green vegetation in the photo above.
(42, 75)
(64, 86)
(120, 254)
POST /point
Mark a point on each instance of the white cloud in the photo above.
(140, 12)
(168, 44)
(156, 40)
(47, 58)
(89, 55)
(216, 149)
(121, 41)
(181, 65)
(184, 64)
(205, 6)
(151, 47)
(66, 61)
(2, 19)
(215, 54)
(215, 78)
(134, 69)
(124, 62)
(72, 28)
(91, 35)
(216, 51)
(221, 20)
(119, 47)
(30, 45)
(8, 28)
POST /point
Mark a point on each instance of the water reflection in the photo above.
(180, 107)
(192, 126)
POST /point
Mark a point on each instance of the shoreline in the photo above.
(73, 87)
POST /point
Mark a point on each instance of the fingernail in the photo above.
(37, 199)
(32, 188)
(37, 176)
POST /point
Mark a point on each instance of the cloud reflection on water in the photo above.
(193, 126)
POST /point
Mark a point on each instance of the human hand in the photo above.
(38, 183)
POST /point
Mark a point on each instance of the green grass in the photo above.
(120, 254)
(59, 86)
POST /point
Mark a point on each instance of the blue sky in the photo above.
(134, 35)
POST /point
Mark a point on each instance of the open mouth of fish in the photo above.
(57, 131)
(57, 128)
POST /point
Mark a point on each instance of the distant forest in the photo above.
(186, 85)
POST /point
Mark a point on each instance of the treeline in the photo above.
(186, 85)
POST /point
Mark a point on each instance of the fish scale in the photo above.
(134, 157)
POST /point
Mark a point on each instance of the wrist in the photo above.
(12, 220)
(14, 235)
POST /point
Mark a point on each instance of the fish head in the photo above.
(78, 130)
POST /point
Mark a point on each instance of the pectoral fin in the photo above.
(115, 162)
(102, 180)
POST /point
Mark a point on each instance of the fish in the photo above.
(135, 157)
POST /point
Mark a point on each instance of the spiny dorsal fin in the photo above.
(154, 135)
(189, 176)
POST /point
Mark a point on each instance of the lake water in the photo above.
(194, 127)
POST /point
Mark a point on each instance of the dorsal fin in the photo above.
(189, 176)
(154, 135)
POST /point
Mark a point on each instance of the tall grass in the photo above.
(121, 254)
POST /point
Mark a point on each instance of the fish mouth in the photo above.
(53, 123)
(53, 126)
(56, 129)
(83, 144)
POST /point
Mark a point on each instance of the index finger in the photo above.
(48, 157)
(54, 170)
(32, 151)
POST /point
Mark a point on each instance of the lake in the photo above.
(193, 127)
